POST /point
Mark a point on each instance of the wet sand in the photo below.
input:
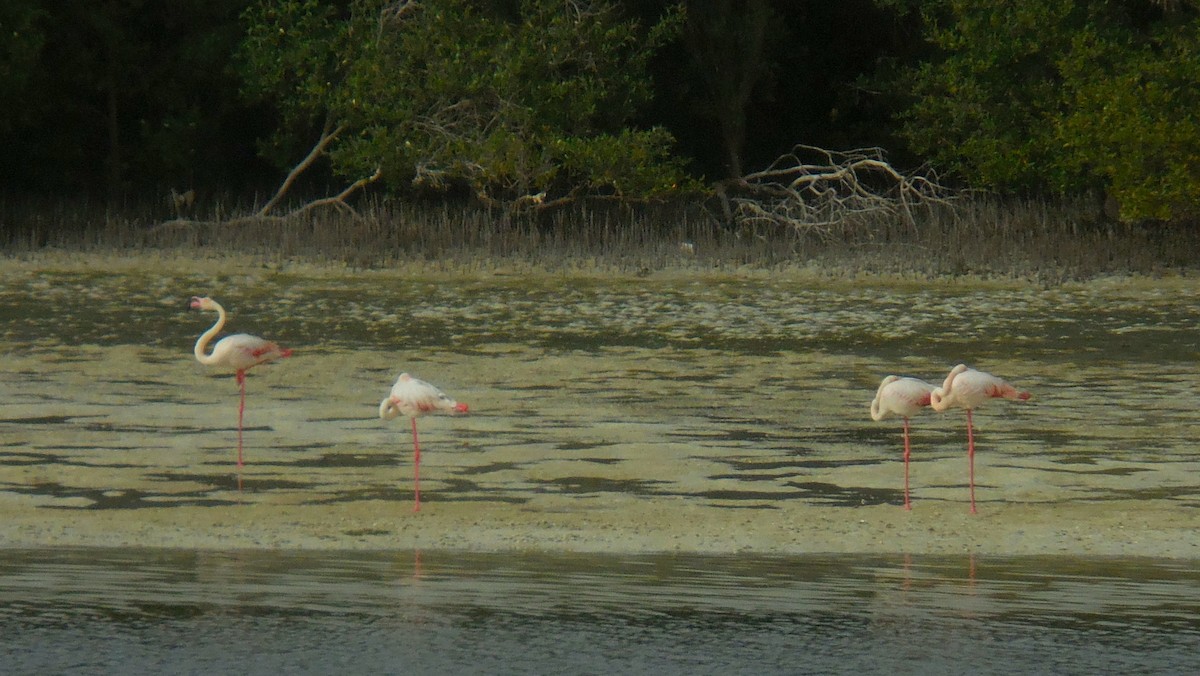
(625, 448)
(622, 526)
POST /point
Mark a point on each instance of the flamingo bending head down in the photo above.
(414, 397)
(967, 388)
(904, 397)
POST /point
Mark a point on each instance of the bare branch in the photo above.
(327, 137)
(339, 200)
(816, 190)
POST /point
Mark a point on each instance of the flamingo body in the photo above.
(900, 396)
(967, 388)
(904, 397)
(238, 352)
(241, 351)
(413, 398)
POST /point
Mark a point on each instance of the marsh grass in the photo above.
(1049, 242)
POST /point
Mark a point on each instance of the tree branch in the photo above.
(327, 137)
(830, 191)
(339, 200)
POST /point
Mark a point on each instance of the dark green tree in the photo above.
(1049, 96)
(1132, 118)
(105, 97)
(518, 102)
(727, 41)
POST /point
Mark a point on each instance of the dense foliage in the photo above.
(506, 100)
(1057, 97)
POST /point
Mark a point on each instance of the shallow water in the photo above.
(705, 396)
(730, 392)
(152, 611)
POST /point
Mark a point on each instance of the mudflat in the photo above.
(690, 411)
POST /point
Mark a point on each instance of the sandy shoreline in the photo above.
(625, 527)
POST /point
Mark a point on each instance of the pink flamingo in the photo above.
(904, 397)
(239, 352)
(967, 388)
(414, 397)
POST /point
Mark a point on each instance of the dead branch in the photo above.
(821, 191)
(328, 135)
(339, 200)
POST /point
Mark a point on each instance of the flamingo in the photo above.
(904, 397)
(239, 352)
(967, 388)
(414, 397)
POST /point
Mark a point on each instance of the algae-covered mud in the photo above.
(686, 411)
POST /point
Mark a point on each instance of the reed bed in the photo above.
(1047, 241)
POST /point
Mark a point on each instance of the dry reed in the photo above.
(1050, 242)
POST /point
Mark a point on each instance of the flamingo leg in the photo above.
(907, 453)
(416, 468)
(971, 457)
(241, 378)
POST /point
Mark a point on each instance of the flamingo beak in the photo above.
(461, 408)
(196, 302)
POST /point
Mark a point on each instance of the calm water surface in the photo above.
(93, 611)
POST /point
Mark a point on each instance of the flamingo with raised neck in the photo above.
(238, 352)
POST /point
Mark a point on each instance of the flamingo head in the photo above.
(204, 303)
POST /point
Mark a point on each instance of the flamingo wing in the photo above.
(414, 397)
(900, 396)
(240, 351)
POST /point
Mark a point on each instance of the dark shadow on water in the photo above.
(1109, 471)
(581, 484)
(490, 468)
(44, 419)
(848, 496)
(748, 476)
(118, 499)
(1158, 493)
(340, 460)
(761, 465)
(229, 482)
(581, 445)
(446, 490)
(31, 459)
(160, 429)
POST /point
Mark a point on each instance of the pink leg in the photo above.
(416, 468)
(907, 452)
(971, 457)
(241, 378)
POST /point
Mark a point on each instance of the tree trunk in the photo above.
(113, 161)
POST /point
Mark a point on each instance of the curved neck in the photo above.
(388, 409)
(935, 399)
(202, 342)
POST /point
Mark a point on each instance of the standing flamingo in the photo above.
(239, 352)
(967, 388)
(904, 397)
(414, 397)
